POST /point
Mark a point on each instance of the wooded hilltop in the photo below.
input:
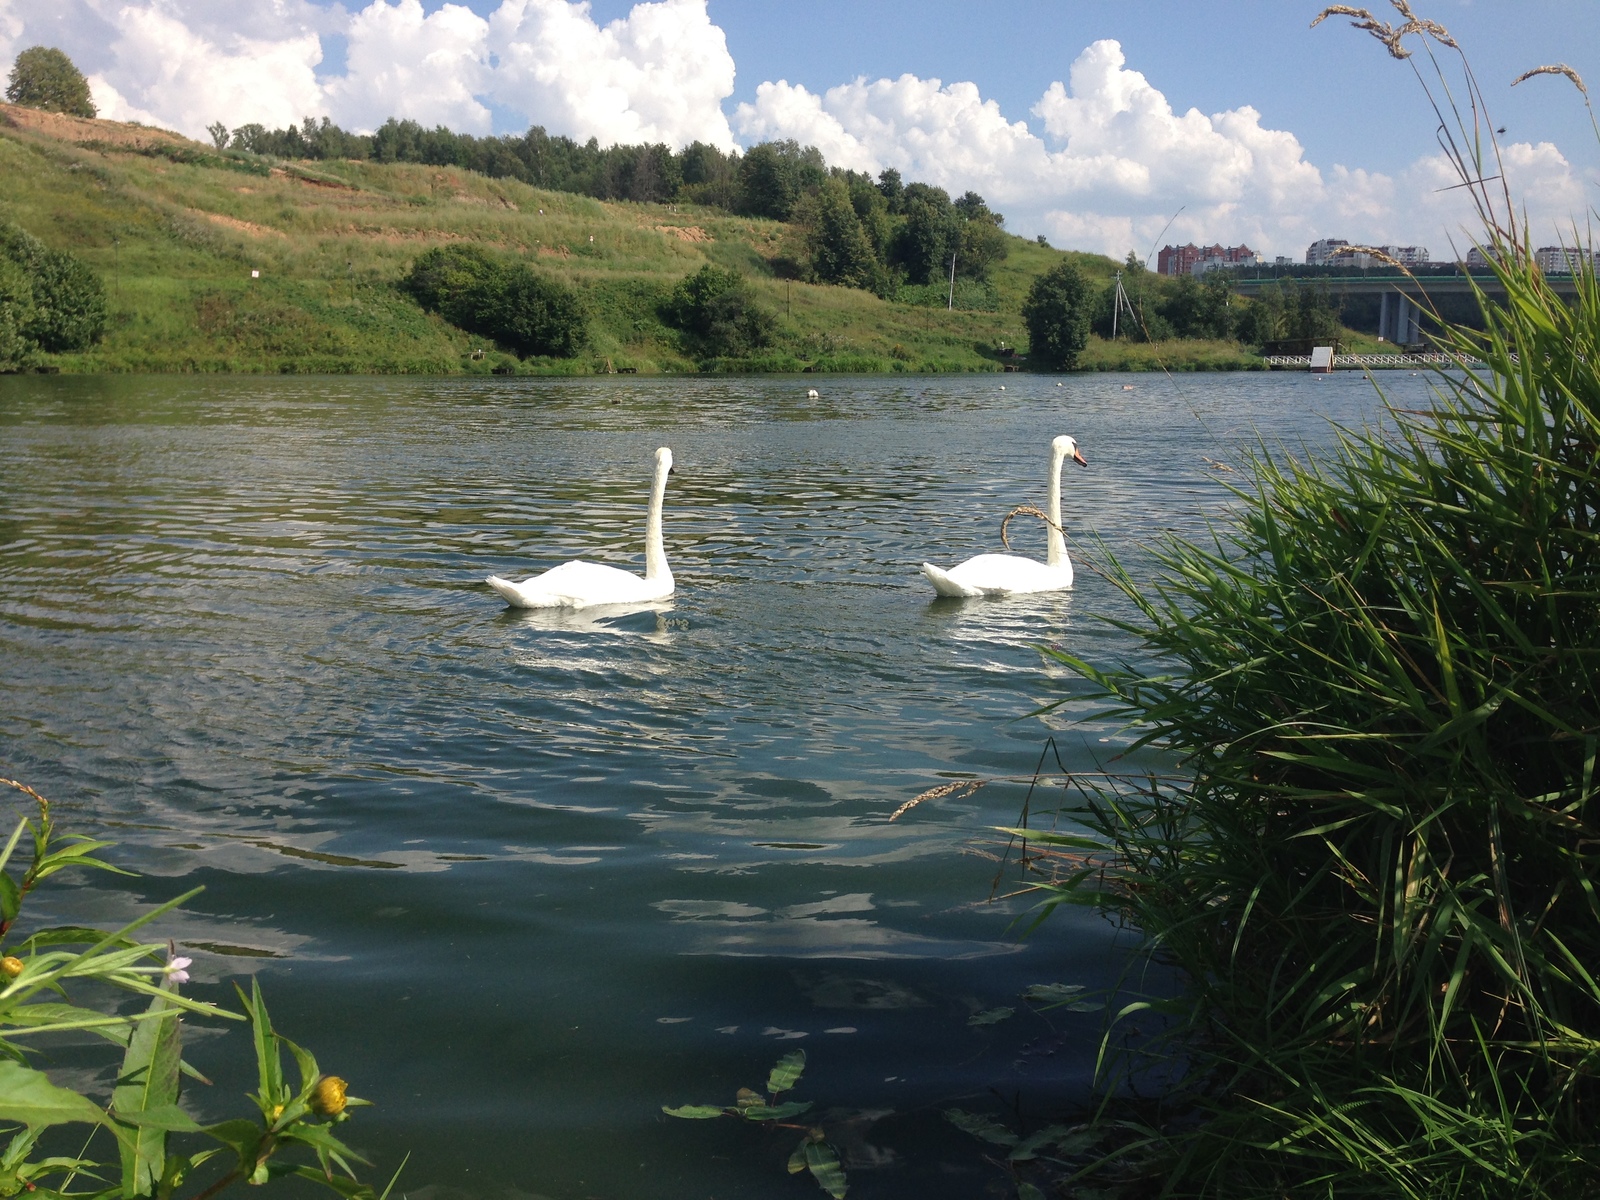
(311, 249)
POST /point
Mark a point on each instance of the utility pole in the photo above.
(350, 271)
(1119, 301)
(116, 251)
(950, 305)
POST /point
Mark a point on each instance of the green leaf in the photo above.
(149, 1080)
(177, 1170)
(1052, 993)
(168, 1117)
(1064, 1139)
(1026, 1191)
(29, 1098)
(244, 1137)
(72, 935)
(991, 1016)
(10, 898)
(320, 1137)
(694, 1112)
(348, 1188)
(749, 1098)
(825, 1169)
(49, 1018)
(1031, 1146)
(797, 1160)
(980, 1126)
(309, 1073)
(1044, 837)
(787, 1073)
(773, 1112)
(269, 1063)
(11, 842)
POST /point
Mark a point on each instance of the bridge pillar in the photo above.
(1399, 319)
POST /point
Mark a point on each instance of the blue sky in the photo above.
(1298, 132)
(1334, 87)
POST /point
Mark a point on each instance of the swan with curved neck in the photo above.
(579, 584)
(1012, 574)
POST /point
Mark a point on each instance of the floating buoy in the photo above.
(1127, 387)
(1002, 387)
(811, 394)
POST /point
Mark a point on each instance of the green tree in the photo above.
(67, 301)
(774, 175)
(973, 207)
(1315, 313)
(43, 77)
(522, 310)
(893, 190)
(16, 313)
(718, 316)
(1198, 308)
(930, 233)
(709, 175)
(983, 243)
(1057, 314)
(839, 248)
(528, 313)
(872, 210)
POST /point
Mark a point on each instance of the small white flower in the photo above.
(175, 969)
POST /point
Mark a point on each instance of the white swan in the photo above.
(1011, 574)
(580, 584)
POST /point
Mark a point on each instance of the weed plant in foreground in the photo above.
(160, 1149)
(1377, 874)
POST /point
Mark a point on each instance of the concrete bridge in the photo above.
(1399, 316)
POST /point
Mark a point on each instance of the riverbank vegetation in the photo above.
(1372, 870)
(238, 260)
(50, 302)
(62, 983)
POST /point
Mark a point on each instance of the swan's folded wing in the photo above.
(944, 584)
(1000, 575)
(580, 584)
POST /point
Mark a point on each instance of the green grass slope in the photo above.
(177, 229)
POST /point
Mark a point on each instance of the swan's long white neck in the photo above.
(655, 553)
(1056, 552)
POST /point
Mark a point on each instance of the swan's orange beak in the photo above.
(1077, 457)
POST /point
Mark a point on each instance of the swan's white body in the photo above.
(579, 584)
(1011, 574)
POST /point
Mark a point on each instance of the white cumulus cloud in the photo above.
(1115, 167)
(660, 74)
(400, 63)
(165, 73)
(1107, 162)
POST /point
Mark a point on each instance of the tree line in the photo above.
(850, 229)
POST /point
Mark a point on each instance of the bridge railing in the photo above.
(1361, 362)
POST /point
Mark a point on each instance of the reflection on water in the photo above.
(647, 620)
(529, 875)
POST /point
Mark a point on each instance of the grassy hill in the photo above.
(179, 231)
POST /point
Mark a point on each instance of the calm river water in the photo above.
(523, 879)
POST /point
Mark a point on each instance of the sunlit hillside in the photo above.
(232, 262)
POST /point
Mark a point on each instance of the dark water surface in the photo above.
(525, 878)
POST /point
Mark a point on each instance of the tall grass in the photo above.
(1376, 874)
